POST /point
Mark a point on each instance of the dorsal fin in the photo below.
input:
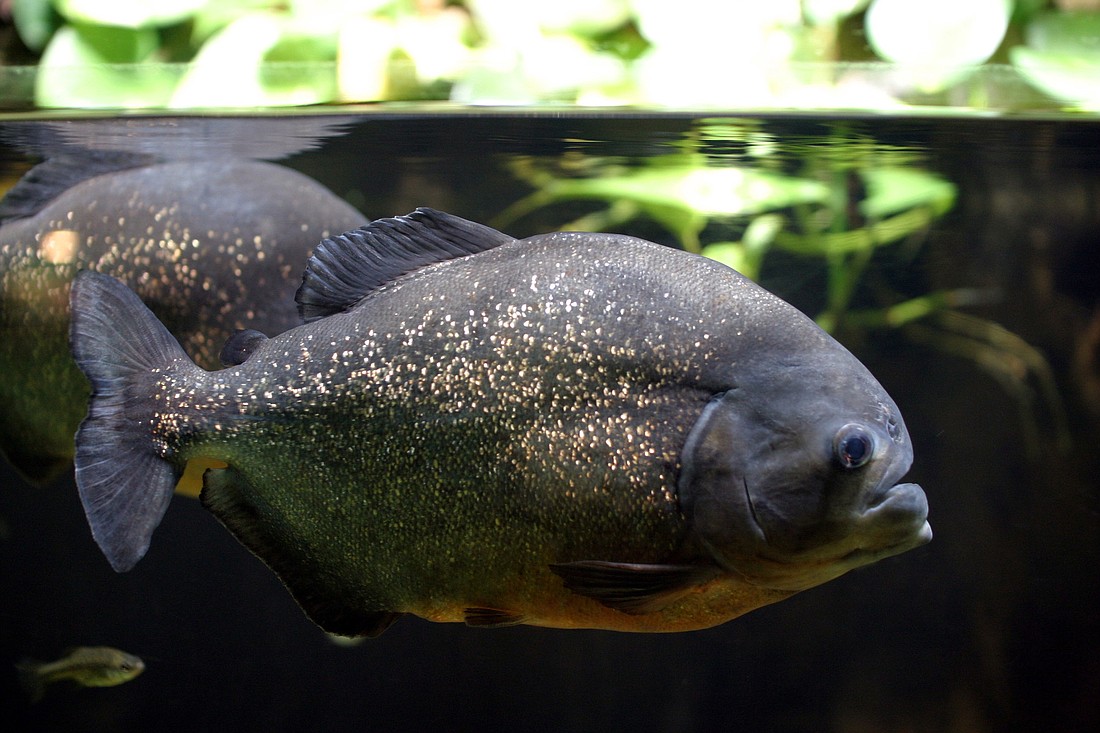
(51, 178)
(345, 268)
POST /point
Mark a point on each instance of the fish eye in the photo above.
(853, 446)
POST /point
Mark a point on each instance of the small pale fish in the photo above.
(573, 430)
(210, 245)
(89, 666)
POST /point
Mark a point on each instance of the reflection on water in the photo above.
(212, 239)
(953, 256)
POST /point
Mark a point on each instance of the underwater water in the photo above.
(955, 256)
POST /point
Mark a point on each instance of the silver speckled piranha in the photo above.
(209, 245)
(571, 430)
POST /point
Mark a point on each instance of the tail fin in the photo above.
(124, 485)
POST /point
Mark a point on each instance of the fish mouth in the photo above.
(898, 503)
(895, 511)
(896, 521)
(891, 520)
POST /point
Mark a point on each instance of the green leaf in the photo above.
(129, 13)
(294, 47)
(35, 21)
(702, 190)
(293, 62)
(213, 16)
(1062, 57)
(114, 45)
(102, 67)
(892, 190)
(230, 70)
(1068, 77)
(730, 254)
(1065, 33)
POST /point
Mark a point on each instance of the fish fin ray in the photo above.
(124, 485)
(347, 267)
(633, 588)
(228, 496)
(491, 618)
(371, 625)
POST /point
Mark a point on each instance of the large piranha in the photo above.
(571, 430)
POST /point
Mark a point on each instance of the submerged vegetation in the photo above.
(833, 203)
(861, 54)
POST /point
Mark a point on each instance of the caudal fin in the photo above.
(124, 484)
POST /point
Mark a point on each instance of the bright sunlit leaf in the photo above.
(81, 68)
(365, 47)
(892, 190)
(937, 36)
(1066, 76)
(730, 254)
(231, 69)
(703, 191)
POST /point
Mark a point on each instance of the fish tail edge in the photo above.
(124, 485)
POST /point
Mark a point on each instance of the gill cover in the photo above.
(790, 499)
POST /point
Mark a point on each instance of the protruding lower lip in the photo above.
(899, 506)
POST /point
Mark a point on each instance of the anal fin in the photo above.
(491, 618)
(371, 625)
(633, 588)
(190, 483)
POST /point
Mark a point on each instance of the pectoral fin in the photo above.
(634, 588)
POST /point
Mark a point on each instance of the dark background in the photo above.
(993, 626)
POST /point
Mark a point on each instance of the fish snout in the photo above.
(896, 517)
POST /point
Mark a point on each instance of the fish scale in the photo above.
(592, 452)
(546, 431)
(209, 244)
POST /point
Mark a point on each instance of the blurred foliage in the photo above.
(1041, 54)
(836, 200)
(832, 202)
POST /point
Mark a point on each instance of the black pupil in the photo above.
(854, 450)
